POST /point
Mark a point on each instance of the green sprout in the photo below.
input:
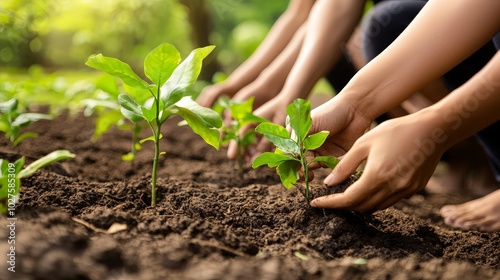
(171, 79)
(241, 113)
(12, 173)
(290, 153)
(11, 121)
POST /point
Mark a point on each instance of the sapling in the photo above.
(291, 148)
(12, 120)
(170, 82)
(12, 173)
(241, 113)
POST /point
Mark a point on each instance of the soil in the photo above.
(210, 223)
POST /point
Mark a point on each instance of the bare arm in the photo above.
(276, 41)
(443, 34)
(329, 26)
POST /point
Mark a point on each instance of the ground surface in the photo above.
(209, 223)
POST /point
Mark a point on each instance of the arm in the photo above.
(329, 26)
(402, 153)
(443, 34)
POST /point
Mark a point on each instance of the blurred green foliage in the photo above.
(63, 33)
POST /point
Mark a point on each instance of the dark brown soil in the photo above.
(211, 224)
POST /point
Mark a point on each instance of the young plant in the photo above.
(11, 121)
(290, 153)
(241, 113)
(11, 174)
(170, 82)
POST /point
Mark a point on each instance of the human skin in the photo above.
(459, 25)
(328, 28)
(279, 38)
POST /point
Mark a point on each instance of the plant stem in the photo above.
(156, 133)
(239, 157)
(305, 168)
(135, 135)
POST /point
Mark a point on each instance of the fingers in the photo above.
(347, 166)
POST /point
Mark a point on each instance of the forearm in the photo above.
(471, 107)
(276, 41)
(443, 34)
(329, 26)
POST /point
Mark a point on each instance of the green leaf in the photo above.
(312, 142)
(183, 76)
(24, 136)
(107, 83)
(46, 160)
(160, 63)
(279, 136)
(104, 122)
(150, 138)
(28, 118)
(248, 138)
(239, 109)
(128, 157)
(300, 117)
(329, 161)
(130, 108)
(288, 172)
(9, 105)
(271, 159)
(117, 68)
(203, 121)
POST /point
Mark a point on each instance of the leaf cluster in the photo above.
(12, 120)
(170, 81)
(291, 148)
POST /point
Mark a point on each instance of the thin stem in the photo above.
(156, 134)
(135, 135)
(239, 157)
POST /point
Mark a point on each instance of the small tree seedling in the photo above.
(171, 80)
(11, 121)
(290, 153)
(11, 174)
(241, 113)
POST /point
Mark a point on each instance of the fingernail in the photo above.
(328, 180)
(313, 203)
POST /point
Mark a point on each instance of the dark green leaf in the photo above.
(300, 117)
(117, 68)
(183, 76)
(312, 142)
(160, 63)
(271, 159)
(288, 172)
(329, 161)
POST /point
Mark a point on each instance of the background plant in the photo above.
(171, 81)
(12, 173)
(11, 121)
(241, 114)
(290, 153)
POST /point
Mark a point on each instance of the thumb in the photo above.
(347, 166)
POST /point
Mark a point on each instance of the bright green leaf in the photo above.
(9, 105)
(104, 122)
(128, 157)
(329, 161)
(160, 63)
(271, 159)
(183, 76)
(150, 138)
(130, 108)
(203, 121)
(279, 136)
(312, 142)
(300, 117)
(288, 172)
(117, 68)
(46, 160)
(23, 137)
(28, 118)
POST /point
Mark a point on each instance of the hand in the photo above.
(210, 94)
(401, 155)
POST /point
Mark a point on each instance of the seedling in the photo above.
(171, 81)
(11, 121)
(290, 153)
(241, 113)
(11, 174)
